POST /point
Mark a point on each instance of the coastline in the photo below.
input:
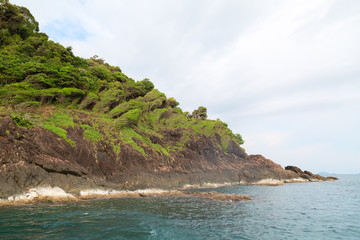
(58, 195)
(49, 194)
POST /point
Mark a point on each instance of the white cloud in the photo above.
(267, 139)
(268, 68)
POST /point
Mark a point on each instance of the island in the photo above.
(75, 127)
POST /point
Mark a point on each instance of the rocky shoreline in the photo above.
(37, 158)
(58, 195)
(48, 194)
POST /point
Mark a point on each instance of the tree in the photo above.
(171, 102)
(201, 113)
(239, 139)
(18, 20)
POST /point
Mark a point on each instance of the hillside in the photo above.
(82, 123)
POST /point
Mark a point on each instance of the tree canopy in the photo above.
(17, 20)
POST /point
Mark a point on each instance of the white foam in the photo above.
(41, 192)
(98, 191)
(216, 185)
(150, 191)
(104, 192)
(210, 185)
(269, 181)
(296, 180)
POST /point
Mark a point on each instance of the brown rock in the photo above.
(32, 157)
(309, 175)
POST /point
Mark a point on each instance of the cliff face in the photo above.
(37, 156)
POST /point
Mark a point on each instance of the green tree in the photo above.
(171, 102)
(18, 20)
(239, 139)
(201, 113)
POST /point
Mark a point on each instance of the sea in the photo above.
(316, 210)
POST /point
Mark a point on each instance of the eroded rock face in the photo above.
(34, 157)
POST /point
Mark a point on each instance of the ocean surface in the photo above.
(324, 210)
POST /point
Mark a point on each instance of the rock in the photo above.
(309, 175)
(47, 194)
(332, 178)
(294, 169)
(30, 158)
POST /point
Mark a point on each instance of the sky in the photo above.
(285, 74)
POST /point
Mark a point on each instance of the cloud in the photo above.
(268, 139)
(281, 72)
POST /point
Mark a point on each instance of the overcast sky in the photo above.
(284, 74)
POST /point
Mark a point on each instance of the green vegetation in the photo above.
(21, 121)
(91, 133)
(37, 74)
(57, 130)
(201, 113)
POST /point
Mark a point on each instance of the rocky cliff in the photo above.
(35, 157)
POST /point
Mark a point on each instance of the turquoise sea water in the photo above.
(326, 210)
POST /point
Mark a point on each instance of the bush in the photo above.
(22, 122)
(171, 102)
(91, 133)
(109, 99)
(145, 86)
(125, 107)
(101, 72)
(238, 139)
(201, 113)
(128, 119)
(153, 95)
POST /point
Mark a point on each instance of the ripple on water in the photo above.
(293, 211)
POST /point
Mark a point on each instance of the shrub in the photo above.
(91, 133)
(128, 119)
(153, 95)
(58, 131)
(238, 139)
(89, 102)
(22, 122)
(101, 72)
(29, 104)
(119, 76)
(125, 107)
(201, 113)
(109, 99)
(145, 86)
(171, 102)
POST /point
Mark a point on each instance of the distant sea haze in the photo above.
(316, 210)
